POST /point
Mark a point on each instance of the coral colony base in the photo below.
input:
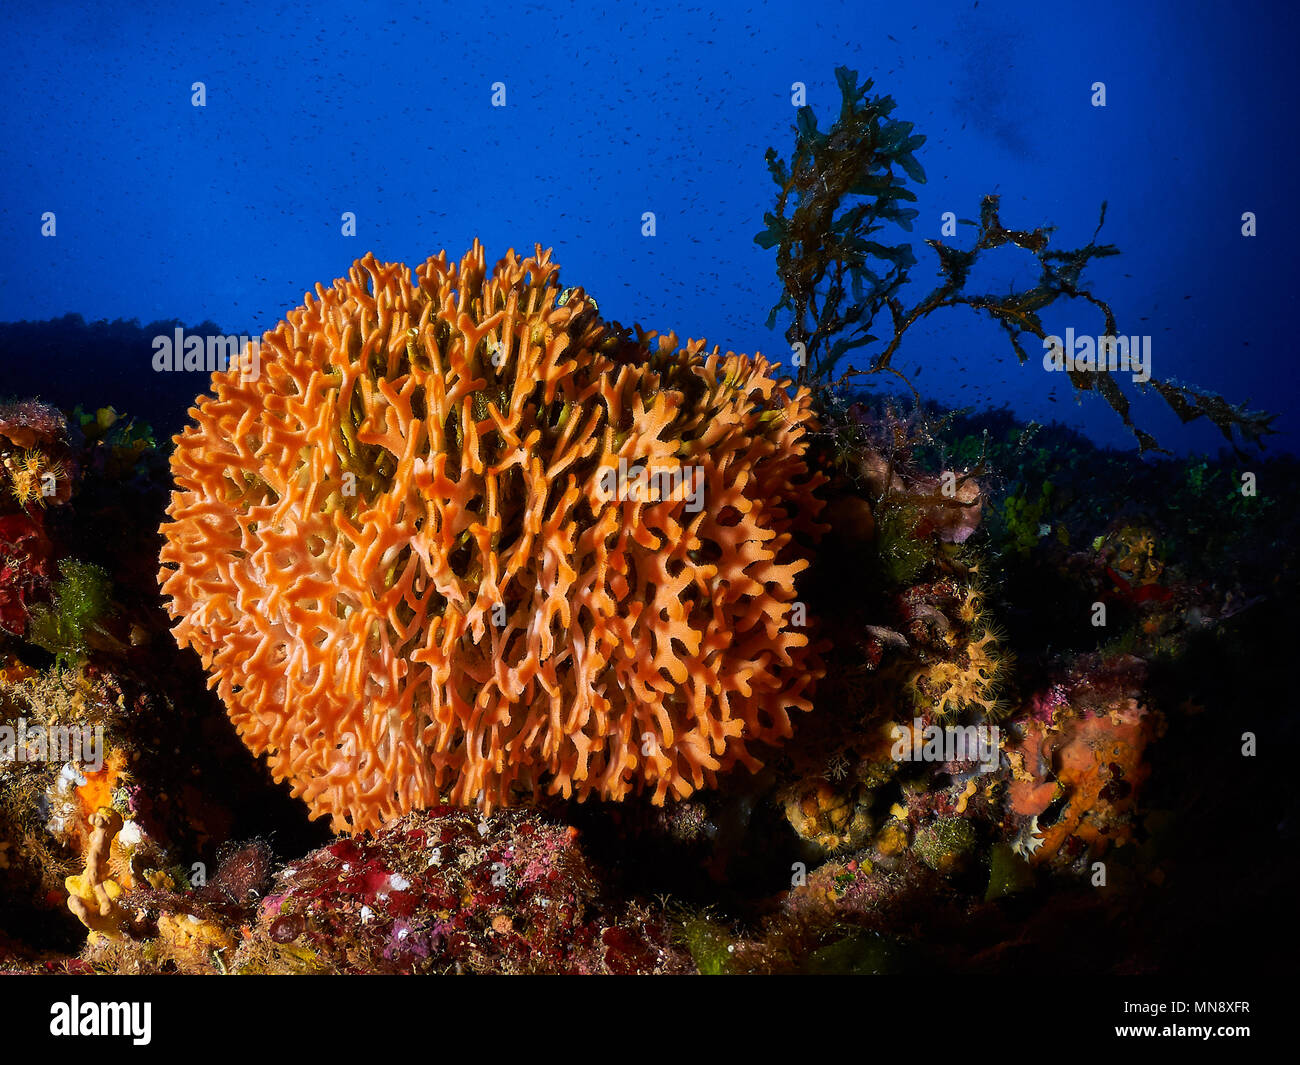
(415, 562)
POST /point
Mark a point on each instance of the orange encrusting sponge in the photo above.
(397, 551)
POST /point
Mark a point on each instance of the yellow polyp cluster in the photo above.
(833, 818)
(966, 678)
(33, 476)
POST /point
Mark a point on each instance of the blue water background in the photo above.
(230, 212)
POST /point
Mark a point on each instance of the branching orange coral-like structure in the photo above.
(398, 553)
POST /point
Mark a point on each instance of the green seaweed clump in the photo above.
(1023, 518)
(1008, 873)
(904, 555)
(81, 598)
(945, 845)
(708, 944)
(861, 954)
(118, 443)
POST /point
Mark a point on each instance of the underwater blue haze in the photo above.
(231, 211)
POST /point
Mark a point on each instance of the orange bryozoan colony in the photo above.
(462, 541)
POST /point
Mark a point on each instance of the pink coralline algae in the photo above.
(1046, 705)
(452, 890)
(24, 569)
(30, 423)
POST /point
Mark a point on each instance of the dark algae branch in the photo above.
(843, 193)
